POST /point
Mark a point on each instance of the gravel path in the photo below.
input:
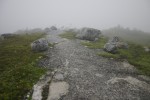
(82, 75)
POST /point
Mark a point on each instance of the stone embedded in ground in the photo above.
(59, 77)
(39, 45)
(114, 44)
(57, 89)
(110, 47)
(98, 75)
(90, 34)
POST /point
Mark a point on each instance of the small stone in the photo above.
(59, 77)
(28, 96)
(99, 75)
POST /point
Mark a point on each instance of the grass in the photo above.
(135, 54)
(108, 55)
(68, 35)
(18, 66)
(95, 45)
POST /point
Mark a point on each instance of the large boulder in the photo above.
(114, 44)
(39, 45)
(53, 28)
(90, 34)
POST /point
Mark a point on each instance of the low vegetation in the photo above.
(136, 55)
(18, 68)
(134, 36)
(68, 35)
(96, 44)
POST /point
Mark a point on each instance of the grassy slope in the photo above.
(135, 36)
(18, 66)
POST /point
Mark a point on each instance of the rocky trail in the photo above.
(79, 74)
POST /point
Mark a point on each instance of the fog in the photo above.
(101, 14)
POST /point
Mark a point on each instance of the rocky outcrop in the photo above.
(39, 45)
(114, 44)
(90, 34)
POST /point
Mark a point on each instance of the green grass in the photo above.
(95, 45)
(135, 54)
(68, 35)
(108, 55)
(18, 67)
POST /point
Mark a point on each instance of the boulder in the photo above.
(53, 28)
(90, 34)
(39, 45)
(114, 44)
(110, 47)
(7, 35)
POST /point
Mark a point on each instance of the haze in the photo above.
(101, 14)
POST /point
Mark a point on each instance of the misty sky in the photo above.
(101, 14)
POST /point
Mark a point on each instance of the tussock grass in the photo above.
(18, 68)
(96, 44)
(68, 35)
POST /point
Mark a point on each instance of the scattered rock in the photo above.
(39, 45)
(53, 28)
(114, 44)
(90, 34)
(59, 77)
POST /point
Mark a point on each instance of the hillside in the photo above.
(135, 36)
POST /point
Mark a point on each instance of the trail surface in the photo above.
(82, 75)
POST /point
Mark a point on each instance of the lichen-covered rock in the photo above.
(90, 34)
(113, 44)
(39, 45)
